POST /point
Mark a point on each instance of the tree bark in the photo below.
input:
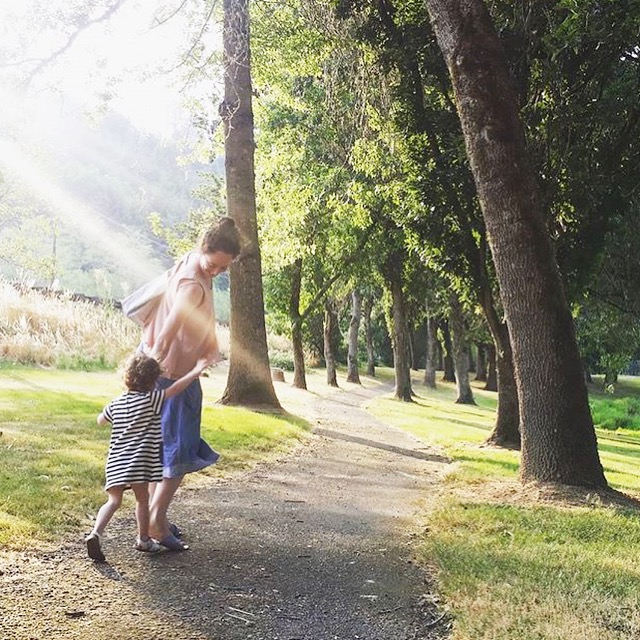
(368, 336)
(448, 371)
(432, 354)
(330, 322)
(249, 380)
(558, 438)
(399, 330)
(353, 373)
(299, 373)
(506, 432)
(492, 370)
(460, 351)
(501, 378)
(481, 363)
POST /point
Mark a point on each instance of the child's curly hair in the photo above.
(141, 373)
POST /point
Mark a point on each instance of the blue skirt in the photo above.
(183, 450)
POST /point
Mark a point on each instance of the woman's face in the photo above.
(215, 263)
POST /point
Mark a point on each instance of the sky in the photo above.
(127, 59)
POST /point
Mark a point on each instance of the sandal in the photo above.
(172, 543)
(93, 547)
(175, 530)
(148, 546)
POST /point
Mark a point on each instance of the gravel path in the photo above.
(316, 546)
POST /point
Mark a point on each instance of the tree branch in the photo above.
(83, 27)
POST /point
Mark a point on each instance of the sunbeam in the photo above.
(86, 222)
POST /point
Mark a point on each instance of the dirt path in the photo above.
(317, 546)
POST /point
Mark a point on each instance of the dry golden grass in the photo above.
(56, 331)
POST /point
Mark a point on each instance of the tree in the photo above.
(353, 374)
(249, 381)
(558, 438)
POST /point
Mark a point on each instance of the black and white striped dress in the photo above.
(135, 449)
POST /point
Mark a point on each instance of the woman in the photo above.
(180, 332)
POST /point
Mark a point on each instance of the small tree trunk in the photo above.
(353, 374)
(432, 354)
(368, 336)
(299, 373)
(329, 354)
(472, 360)
(448, 374)
(460, 351)
(481, 368)
(249, 380)
(506, 432)
(399, 330)
(492, 370)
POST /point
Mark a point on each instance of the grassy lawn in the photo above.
(52, 452)
(509, 565)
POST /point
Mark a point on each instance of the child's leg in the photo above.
(102, 520)
(141, 492)
(114, 500)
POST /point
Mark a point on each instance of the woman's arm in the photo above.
(188, 298)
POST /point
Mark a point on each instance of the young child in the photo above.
(135, 449)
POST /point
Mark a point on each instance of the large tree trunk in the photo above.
(448, 373)
(432, 354)
(353, 374)
(460, 351)
(249, 380)
(558, 438)
(330, 324)
(368, 335)
(299, 374)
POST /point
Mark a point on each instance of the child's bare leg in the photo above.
(114, 500)
(141, 492)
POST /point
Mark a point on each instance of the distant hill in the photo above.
(121, 175)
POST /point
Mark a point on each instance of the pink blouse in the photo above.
(196, 337)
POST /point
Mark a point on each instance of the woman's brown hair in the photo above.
(222, 236)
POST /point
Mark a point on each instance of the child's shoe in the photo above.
(93, 547)
(148, 546)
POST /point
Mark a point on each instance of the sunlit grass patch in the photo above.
(537, 572)
(52, 452)
(510, 568)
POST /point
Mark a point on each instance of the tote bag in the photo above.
(140, 305)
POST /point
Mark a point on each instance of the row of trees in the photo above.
(369, 182)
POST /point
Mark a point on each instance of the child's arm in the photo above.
(102, 421)
(186, 380)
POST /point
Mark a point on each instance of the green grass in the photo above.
(508, 567)
(52, 452)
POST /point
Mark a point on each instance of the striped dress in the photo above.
(135, 449)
